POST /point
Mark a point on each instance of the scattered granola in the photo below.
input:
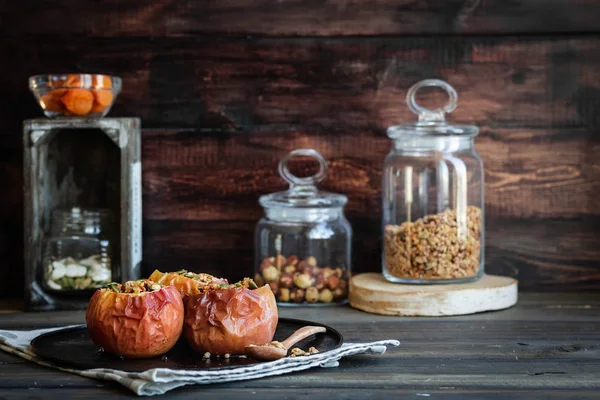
(277, 344)
(274, 343)
(298, 352)
(434, 247)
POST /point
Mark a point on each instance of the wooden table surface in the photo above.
(546, 347)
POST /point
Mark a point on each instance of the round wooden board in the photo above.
(372, 293)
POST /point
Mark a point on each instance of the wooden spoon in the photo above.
(275, 351)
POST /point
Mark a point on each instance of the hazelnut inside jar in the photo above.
(302, 243)
(303, 281)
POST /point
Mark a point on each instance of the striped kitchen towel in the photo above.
(160, 380)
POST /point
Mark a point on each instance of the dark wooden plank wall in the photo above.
(225, 88)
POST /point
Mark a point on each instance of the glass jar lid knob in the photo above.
(306, 181)
(303, 192)
(427, 116)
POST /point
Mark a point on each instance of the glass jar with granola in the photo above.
(432, 198)
(303, 241)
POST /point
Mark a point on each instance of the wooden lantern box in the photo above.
(80, 162)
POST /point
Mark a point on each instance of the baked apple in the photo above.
(224, 319)
(187, 283)
(137, 319)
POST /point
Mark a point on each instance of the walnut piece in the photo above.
(297, 352)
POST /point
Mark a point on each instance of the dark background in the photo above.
(225, 88)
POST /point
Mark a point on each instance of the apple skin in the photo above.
(225, 321)
(135, 325)
(185, 286)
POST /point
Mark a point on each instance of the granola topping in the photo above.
(202, 279)
(135, 287)
(247, 283)
(298, 352)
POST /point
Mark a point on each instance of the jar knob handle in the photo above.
(425, 114)
(309, 180)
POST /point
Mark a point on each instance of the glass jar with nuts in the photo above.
(433, 222)
(78, 253)
(303, 241)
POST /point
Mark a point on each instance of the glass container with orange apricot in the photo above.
(75, 95)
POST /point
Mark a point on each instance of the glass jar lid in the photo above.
(81, 220)
(431, 122)
(303, 192)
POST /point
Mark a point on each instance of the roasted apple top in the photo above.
(201, 278)
(247, 283)
(186, 282)
(134, 287)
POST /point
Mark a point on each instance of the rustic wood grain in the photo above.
(530, 173)
(533, 307)
(542, 254)
(335, 84)
(111, 18)
(233, 104)
(542, 212)
(450, 393)
(545, 347)
(218, 112)
(372, 293)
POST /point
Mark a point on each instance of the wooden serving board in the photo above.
(372, 293)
